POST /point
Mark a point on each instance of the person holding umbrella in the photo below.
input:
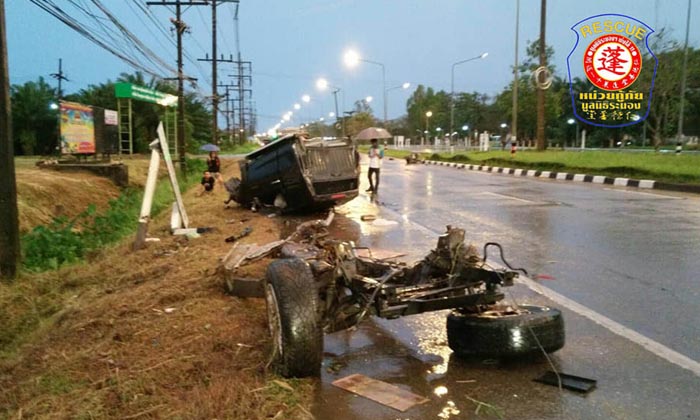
(375, 163)
(214, 165)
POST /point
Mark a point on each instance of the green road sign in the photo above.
(140, 93)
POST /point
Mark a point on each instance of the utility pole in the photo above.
(9, 219)
(684, 76)
(60, 76)
(516, 77)
(541, 141)
(229, 111)
(180, 28)
(214, 69)
(214, 81)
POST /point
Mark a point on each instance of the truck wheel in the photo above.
(292, 304)
(504, 332)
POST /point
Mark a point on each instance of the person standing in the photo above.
(375, 163)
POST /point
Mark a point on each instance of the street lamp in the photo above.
(571, 121)
(306, 98)
(297, 107)
(322, 84)
(368, 99)
(352, 59)
(427, 122)
(452, 94)
(403, 86)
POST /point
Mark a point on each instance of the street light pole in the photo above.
(404, 85)
(427, 125)
(452, 87)
(683, 77)
(352, 58)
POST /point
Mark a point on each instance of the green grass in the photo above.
(240, 149)
(30, 305)
(66, 241)
(664, 167)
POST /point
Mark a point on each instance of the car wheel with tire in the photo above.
(292, 305)
(505, 332)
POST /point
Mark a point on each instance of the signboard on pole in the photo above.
(129, 91)
(77, 129)
(111, 117)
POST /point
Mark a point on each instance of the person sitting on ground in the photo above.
(207, 182)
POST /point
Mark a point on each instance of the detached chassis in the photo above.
(324, 286)
(451, 276)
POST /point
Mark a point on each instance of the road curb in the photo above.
(565, 176)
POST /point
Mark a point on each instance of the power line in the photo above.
(58, 13)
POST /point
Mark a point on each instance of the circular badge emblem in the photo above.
(612, 62)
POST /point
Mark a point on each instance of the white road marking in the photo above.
(508, 197)
(645, 342)
(670, 197)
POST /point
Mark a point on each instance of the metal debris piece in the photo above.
(368, 217)
(243, 234)
(571, 382)
(381, 392)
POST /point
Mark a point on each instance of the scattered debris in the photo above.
(381, 392)
(489, 409)
(384, 222)
(243, 234)
(169, 310)
(150, 239)
(544, 277)
(466, 381)
(368, 217)
(571, 382)
(283, 385)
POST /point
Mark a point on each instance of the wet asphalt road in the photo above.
(626, 254)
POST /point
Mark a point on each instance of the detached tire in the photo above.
(292, 304)
(504, 333)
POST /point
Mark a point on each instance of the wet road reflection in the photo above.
(580, 237)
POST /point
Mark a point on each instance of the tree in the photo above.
(146, 116)
(663, 114)
(34, 122)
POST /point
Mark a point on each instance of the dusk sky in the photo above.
(292, 43)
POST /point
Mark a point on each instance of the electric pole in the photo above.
(214, 81)
(541, 141)
(180, 28)
(60, 76)
(516, 77)
(9, 219)
(214, 70)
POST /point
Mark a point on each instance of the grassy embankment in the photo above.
(664, 167)
(123, 334)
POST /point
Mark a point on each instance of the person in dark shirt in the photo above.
(214, 166)
(207, 182)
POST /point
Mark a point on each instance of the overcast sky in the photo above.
(293, 42)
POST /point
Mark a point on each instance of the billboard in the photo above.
(77, 129)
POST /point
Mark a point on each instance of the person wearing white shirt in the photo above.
(375, 163)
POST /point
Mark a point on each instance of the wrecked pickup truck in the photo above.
(320, 285)
(295, 173)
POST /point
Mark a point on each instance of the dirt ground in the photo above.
(44, 194)
(151, 334)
